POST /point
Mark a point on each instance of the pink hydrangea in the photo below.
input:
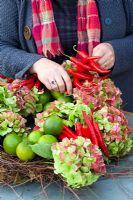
(105, 93)
(115, 130)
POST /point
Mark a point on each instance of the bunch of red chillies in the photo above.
(90, 131)
(29, 83)
(83, 67)
(67, 133)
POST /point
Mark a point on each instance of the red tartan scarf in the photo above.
(45, 32)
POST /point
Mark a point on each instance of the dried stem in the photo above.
(73, 192)
(11, 187)
(43, 189)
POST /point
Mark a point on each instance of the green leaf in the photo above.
(3, 109)
(39, 107)
(42, 150)
(4, 124)
(7, 100)
(5, 131)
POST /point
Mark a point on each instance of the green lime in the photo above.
(11, 142)
(47, 139)
(45, 97)
(56, 94)
(34, 136)
(24, 152)
(65, 99)
(53, 125)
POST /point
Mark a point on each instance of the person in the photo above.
(33, 34)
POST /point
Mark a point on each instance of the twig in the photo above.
(74, 193)
(63, 193)
(6, 184)
(44, 191)
(20, 184)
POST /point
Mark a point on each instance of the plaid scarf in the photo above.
(45, 32)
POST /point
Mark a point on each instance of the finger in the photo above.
(106, 61)
(67, 81)
(60, 82)
(103, 60)
(108, 65)
(47, 84)
(98, 51)
(53, 84)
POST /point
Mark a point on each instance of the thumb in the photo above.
(97, 51)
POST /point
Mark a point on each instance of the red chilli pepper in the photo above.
(93, 83)
(70, 132)
(37, 84)
(100, 140)
(80, 86)
(23, 83)
(30, 86)
(62, 136)
(88, 121)
(95, 66)
(103, 77)
(86, 133)
(91, 66)
(78, 127)
(68, 135)
(28, 81)
(78, 62)
(84, 56)
(77, 69)
(80, 76)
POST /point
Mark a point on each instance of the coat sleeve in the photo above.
(14, 62)
(124, 47)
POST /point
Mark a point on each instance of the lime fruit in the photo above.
(53, 125)
(24, 152)
(65, 99)
(34, 136)
(56, 94)
(45, 97)
(10, 143)
(47, 139)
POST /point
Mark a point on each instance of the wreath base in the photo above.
(13, 171)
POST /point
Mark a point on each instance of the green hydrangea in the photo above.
(8, 101)
(11, 122)
(78, 161)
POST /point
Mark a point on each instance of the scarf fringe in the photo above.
(49, 53)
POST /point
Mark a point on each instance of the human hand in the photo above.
(106, 53)
(52, 75)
